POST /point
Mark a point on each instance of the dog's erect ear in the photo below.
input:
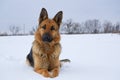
(43, 15)
(58, 17)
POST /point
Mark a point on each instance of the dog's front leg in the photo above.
(55, 72)
(38, 68)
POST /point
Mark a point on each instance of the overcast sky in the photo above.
(26, 12)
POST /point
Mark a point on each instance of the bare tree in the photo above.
(92, 26)
(63, 29)
(76, 29)
(33, 30)
(117, 27)
(88, 26)
(68, 25)
(107, 27)
(14, 29)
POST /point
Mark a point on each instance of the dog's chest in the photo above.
(47, 49)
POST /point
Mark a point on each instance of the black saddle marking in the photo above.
(30, 58)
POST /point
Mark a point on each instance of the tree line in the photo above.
(70, 27)
(89, 27)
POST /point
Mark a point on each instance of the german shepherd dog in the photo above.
(46, 48)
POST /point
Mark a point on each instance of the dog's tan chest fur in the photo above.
(48, 56)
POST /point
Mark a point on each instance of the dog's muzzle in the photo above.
(46, 37)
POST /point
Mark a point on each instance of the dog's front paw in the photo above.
(46, 74)
(55, 72)
(43, 72)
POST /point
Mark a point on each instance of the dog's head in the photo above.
(48, 29)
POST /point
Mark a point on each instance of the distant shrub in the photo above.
(3, 34)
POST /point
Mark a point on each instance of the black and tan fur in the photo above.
(46, 48)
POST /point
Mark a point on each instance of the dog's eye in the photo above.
(44, 27)
(52, 28)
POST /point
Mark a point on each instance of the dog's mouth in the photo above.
(47, 37)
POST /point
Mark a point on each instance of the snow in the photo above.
(93, 57)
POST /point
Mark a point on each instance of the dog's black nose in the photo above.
(46, 37)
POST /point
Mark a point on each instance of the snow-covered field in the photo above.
(93, 57)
